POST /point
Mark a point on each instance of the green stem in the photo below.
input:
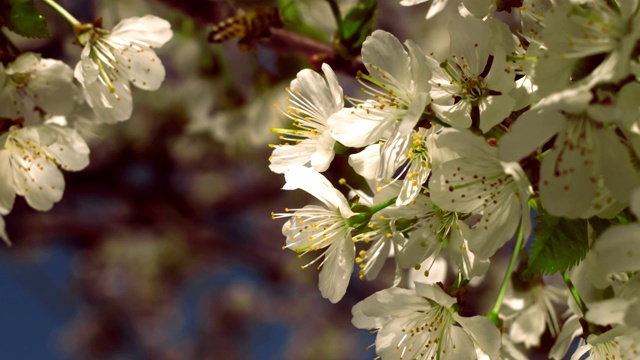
(459, 280)
(574, 293)
(495, 310)
(62, 11)
(335, 9)
(374, 209)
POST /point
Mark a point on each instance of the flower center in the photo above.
(474, 88)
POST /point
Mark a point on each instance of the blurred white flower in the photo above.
(30, 82)
(530, 312)
(576, 30)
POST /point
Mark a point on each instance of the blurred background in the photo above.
(164, 248)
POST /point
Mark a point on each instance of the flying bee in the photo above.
(247, 26)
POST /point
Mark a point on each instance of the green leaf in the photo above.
(558, 245)
(24, 18)
(292, 18)
(357, 24)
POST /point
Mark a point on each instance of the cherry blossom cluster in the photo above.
(537, 117)
(44, 105)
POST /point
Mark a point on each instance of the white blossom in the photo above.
(113, 60)
(314, 228)
(621, 309)
(461, 82)
(424, 324)
(618, 248)
(617, 343)
(588, 167)
(468, 177)
(575, 31)
(312, 101)
(529, 313)
(398, 83)
(30, 82)
(29, 161)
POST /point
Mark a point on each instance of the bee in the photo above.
(246, 26)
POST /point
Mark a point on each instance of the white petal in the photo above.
(108, 106)
(528, 327)
(358, 127)
(334, 87)
(149, 29)
(436, 7)
(457, 115)
(530, 131)
(86, 70)
(39, 181)
(467, 262)
(413, 186)
(495, 228)
(3, 232)
(336, 270)
(366, 162)
(7, 190)
(608, 312)
(141, 66)
(69, 150)
(324, 96)
(311, 181)
(483, 332)
(393, 154)
(414, 113)
(618, 248)
(566, 181)
(435, 293)
(420, 68)
(54, 87)
(411, 2)
(285, 157)
(570, 329)
(421, 245)
(376, 309)
(498, 78)
(464, 348)
(376, 51)
(475, 49)
(322, 157)
(480, 8)
(494, 109)
(379, 253)
(616, 165)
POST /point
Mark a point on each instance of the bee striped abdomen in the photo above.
(231, 28)
(246, 26)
